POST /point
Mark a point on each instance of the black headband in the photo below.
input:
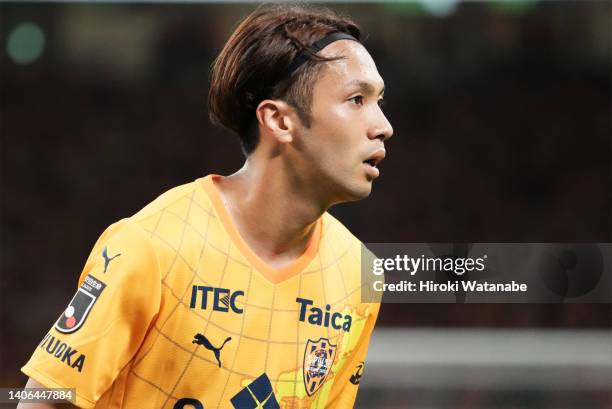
(317, 46)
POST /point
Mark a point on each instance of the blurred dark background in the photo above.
(503, 133)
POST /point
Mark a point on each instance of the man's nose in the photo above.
(382, 128)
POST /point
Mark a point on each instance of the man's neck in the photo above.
(274, 216)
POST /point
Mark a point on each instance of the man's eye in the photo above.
(358, 99)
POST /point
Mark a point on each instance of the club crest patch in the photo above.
(75, 314)
(319, 357)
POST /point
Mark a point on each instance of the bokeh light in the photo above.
(26, 43)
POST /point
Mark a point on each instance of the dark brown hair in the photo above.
(253, 65)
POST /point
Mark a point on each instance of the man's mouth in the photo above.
(376, 157)
(373, 160)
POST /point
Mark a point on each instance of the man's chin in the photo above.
(357, 192)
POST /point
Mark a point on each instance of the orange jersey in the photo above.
(174, 310)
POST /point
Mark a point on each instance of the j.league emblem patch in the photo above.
(75, 314)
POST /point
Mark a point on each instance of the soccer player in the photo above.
(241, 291)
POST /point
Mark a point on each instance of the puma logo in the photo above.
(202, 340)
(107, 260)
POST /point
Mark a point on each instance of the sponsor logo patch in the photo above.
(325, 318)
(319, 357)
(78, 309)
(220, 299)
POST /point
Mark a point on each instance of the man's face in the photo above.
(345, 141)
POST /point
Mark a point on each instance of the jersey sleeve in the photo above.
(106, 321)
(346, 385)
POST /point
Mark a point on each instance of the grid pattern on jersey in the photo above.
(196, 202)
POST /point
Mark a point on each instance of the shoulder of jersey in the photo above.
(162, 220)
(170, 199)
(337, 230)
(346, 247)
(356, 252)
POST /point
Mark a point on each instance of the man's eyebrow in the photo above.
(366, 87)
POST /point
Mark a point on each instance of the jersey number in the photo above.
(183, 402)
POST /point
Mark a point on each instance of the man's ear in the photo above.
(275, 119)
